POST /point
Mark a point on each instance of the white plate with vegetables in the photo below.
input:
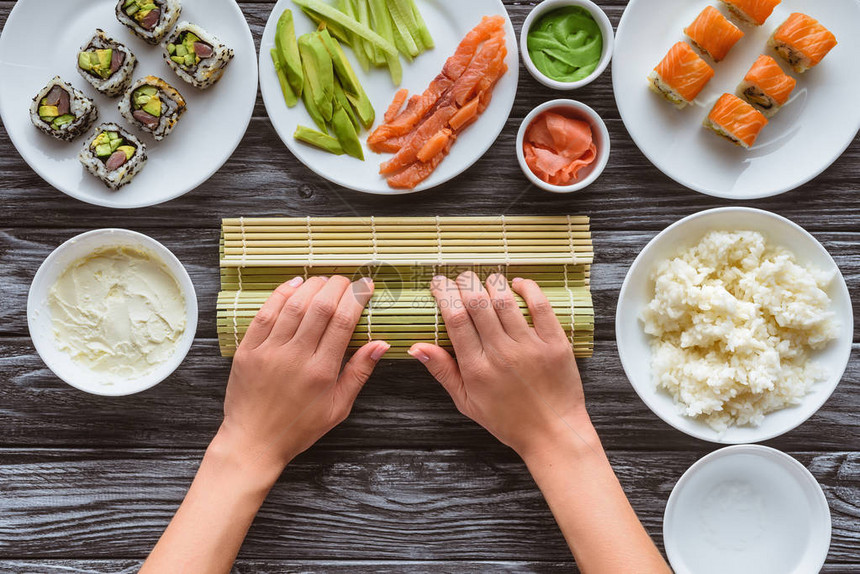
(412, 27)
(204, 136)
(810, 132)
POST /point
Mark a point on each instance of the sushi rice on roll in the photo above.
(106, 64)
(113, 155)
(150, 20)
(196, 56)
(153, 105)
(62, 111)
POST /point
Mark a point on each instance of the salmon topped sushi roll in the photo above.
(736, 120)
(802, 42)
(713, 34)
(681, 75)
(766, 87)
(754, 12)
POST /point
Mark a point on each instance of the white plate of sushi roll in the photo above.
(809, 132)
(188, 117)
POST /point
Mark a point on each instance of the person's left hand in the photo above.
(287, 388)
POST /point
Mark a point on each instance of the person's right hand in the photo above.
(519, 382)
(288, 386)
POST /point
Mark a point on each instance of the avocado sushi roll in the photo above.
(106, 64)
(150, 20)
(152, 105)
(62, 111)
(196, 56)
(113, 155)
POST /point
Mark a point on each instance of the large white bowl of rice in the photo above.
(734, 325)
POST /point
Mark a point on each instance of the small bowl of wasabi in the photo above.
(566, 44)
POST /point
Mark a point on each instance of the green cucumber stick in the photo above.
(401, 14)
(288, 49)
(289, 95)
(423, 31)
(382, 19)
(332, 14)
(335, 30)
(363, 13)
(353, 41)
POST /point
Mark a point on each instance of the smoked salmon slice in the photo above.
(736, 120)
(422, 134)
(396, 104)
(712, 33)
(766, 87)
(454, 67)
(754, 12)
(802, 41)
(681, 76)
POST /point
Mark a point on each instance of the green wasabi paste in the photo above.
(565, 44)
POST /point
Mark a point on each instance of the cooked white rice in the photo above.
(734, 322)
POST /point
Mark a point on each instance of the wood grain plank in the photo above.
(348, 505)
(401, 407)
(328, 567)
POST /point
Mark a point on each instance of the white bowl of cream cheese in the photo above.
(112, 312)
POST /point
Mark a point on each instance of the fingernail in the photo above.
(324, 279)
(367, 280)
(296, 282)
(380, 351)
(517, 279)
(420, 355)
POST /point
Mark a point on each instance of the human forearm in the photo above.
(597, 521)
(210, 525)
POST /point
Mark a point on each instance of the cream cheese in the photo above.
(118, 312)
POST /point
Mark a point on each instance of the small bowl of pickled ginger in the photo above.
(563, 146)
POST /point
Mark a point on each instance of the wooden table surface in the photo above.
(87, 484)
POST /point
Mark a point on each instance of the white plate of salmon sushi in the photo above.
(204, 125)
(776, 83)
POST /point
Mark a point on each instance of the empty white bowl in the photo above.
(573, 109)
(605, 29)
(39, 313)
(634, 345)
(747, 510)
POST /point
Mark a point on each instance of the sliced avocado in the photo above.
(310, 106)
(112, 136)
(190, 60)
(318, 139)
(101, 139)
(359, 100)
(104, 58)
(340, 100)
(346, 134)
(289, 94)
(128, 150)
(319, 72)
(114, 144)
(171, 49)
(147, 90)
(288, 49)
(153, 106)
(181, 50)
(178, 59)
(341, 64)
(48, 112)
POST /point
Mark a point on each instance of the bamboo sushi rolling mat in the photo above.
(402, 255)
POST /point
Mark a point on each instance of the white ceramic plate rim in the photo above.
(140, 200)
(701, 431)
(809, 482)
(273, 97)
(38, 295)
(666, 168)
